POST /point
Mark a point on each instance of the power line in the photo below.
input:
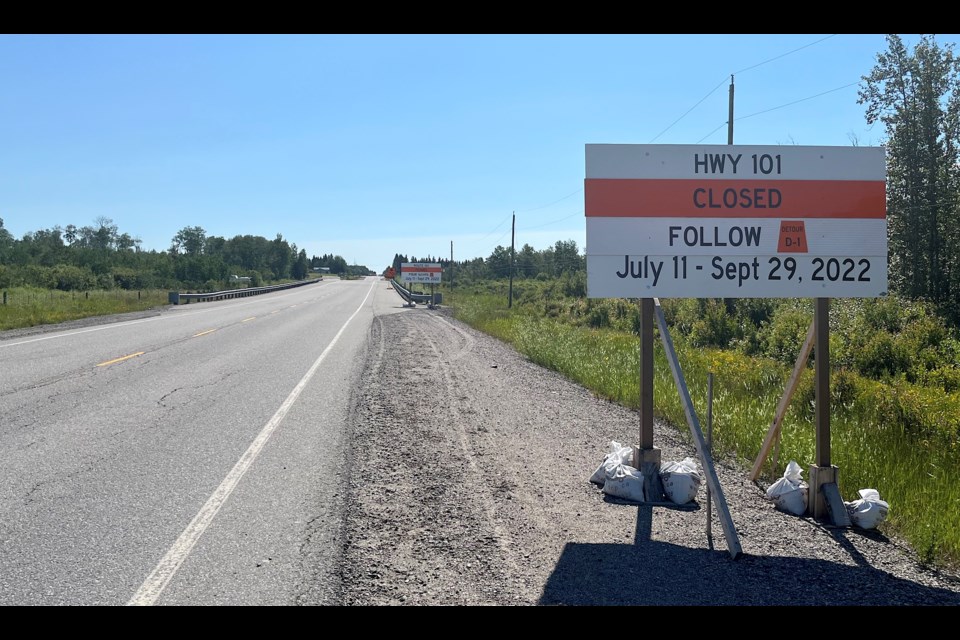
(796, 101)
(784, 54)
(499, 239)
(757, 113)
(711, 133)
(738, 72)
(494, 229)
(690, 109)
(537, 226)
(552, 203)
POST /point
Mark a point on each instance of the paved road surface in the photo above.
(192, 457)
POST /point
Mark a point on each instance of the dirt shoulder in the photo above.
(469, 486)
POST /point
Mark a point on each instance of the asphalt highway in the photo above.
(194, 457)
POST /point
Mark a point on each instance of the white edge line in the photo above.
(65, 334)
(158, 579)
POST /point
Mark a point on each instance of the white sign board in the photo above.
(735, 221)
(420, 272)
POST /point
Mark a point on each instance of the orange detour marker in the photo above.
(793, 237)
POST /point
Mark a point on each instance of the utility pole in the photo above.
(730, 118)
(451, 264)
(513, 229)
(728, 302)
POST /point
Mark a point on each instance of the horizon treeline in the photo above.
(100, 256)
(562, 257)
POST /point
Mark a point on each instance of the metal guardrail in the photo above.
(409, 296)
(176, 297)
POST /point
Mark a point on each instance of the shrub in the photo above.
(599, 316)
(882, 357)
(883, 313)
(70, 278)
(132, 280)
(783, 337)
(946, 377)
(755, 311)
(574, 284)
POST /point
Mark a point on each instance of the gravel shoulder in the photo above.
(468, 485)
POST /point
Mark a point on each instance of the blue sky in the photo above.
(370, 145)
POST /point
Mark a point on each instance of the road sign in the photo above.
(420, 272)
(735, 221)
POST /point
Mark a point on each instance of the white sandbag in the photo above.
(625, 482)
(617, 455)
(869, 511)
(680, 480)
(789, 493)
(606, 469)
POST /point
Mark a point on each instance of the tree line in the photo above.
(915, 95)
(99, 256)
(554, 261)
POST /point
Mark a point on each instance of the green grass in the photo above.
(898, 438)
(28, 307)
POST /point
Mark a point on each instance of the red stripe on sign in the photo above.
(606, 198)
(425, 270)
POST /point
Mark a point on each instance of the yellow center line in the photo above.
(203, 333)
(132, 355)
(273, 312)
(249, 319)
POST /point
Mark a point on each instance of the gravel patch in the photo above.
(469, 486)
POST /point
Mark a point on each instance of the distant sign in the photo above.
(420, 272)
(731, 221)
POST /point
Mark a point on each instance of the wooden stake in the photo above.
(774, 431)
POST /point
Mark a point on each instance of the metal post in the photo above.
(710, 473)
(4, 297)
(709, 443)
(513, 228)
